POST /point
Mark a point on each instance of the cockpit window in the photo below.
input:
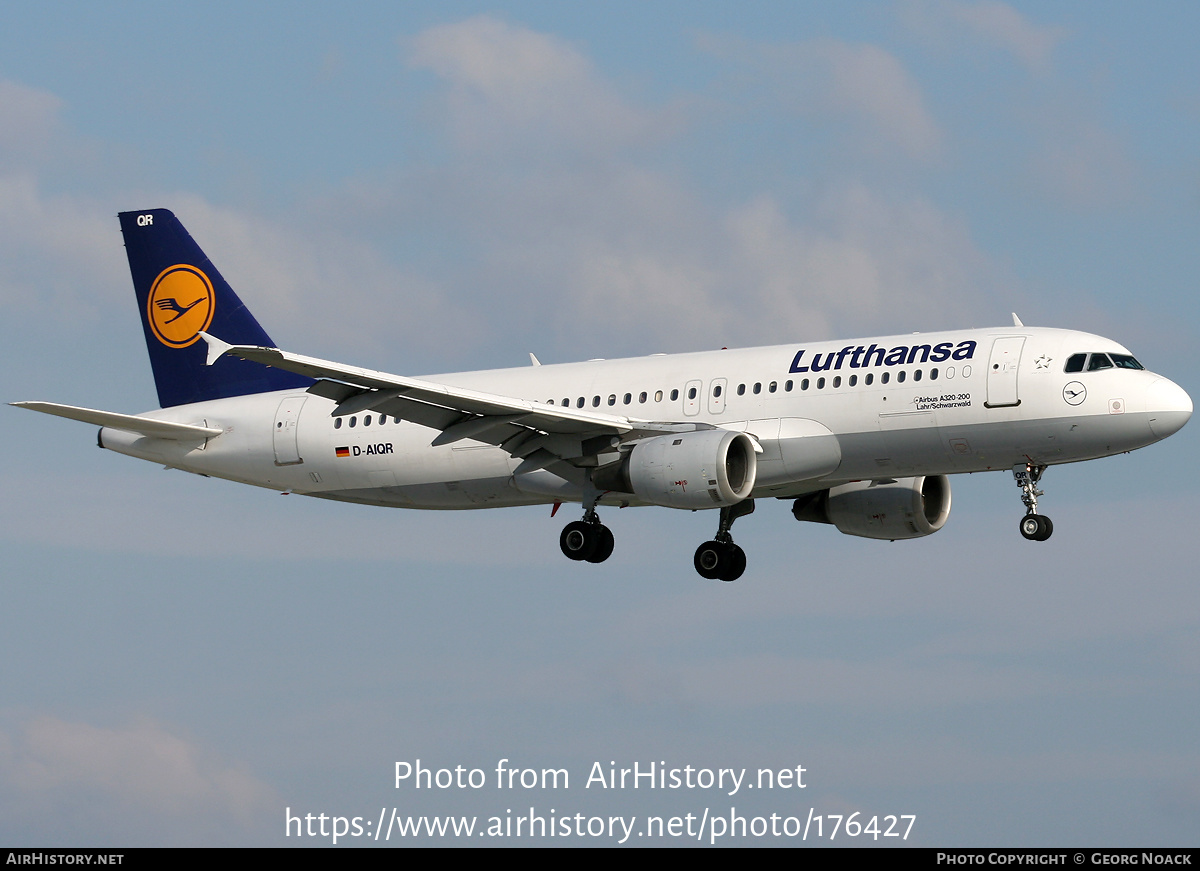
(1125, 361)
(1078, 362)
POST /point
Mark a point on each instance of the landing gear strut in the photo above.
(721, 559)
(1034, 526)
(588, 539)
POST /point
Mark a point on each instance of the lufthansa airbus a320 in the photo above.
(861, 434)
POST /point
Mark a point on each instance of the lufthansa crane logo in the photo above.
(1074, 393)
(180, 305)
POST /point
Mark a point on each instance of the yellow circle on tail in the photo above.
(180, 305)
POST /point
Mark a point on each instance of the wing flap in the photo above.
(147, 426)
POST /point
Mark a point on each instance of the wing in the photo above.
(147, 426)
(541, 435)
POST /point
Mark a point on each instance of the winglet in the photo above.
(216, 348)
(1017, 320)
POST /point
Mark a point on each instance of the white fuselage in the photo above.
(823, 413)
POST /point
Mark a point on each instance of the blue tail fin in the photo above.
(180, 293)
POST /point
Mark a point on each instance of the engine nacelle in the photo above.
(904, 508)
(703, 469)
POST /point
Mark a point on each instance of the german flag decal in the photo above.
(342, 452)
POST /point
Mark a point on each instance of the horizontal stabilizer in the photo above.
(147, 426)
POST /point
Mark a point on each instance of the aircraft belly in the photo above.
(448, 496)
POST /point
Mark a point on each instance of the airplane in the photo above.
(860, 434)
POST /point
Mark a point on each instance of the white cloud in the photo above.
(871, 83)
(629, 260)
(861, 262)
(57, 251)
(860, 83)
(996, 24)
(512, 85)
(140, 781)
(28, 122)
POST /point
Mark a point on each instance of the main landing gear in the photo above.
(1034, 526)
(587, 540)
(721, 559)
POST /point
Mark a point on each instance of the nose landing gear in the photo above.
(1034, 526)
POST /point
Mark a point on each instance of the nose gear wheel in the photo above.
(1034, 526)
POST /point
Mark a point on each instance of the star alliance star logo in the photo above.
(1043, 362)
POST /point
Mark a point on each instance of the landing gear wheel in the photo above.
(579, 540)
(737, 563)
(720, 561)
(591, 542)
(604, 545)
(1036, 527)
(710, 559)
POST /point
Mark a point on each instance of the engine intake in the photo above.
(703, 469)
(891, 510)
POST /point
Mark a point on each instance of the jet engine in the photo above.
(889, 510)
(703, 469)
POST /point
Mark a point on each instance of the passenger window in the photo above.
(642, 396)
(691, 393)
(353, 421)
(758, 387)
(837, 381)
(717, 390)
(772, 387)
(741, 390)
(628, 398)
(853, 380)
(820, 383)
(595, 402)
(337, 423)
(885, 377)
(900, 377)
(870, 379)
(917, 375)
(1098, 362)
(658, 396)
(1075, 363)
(579, 402)
(366, 420)
(612, 399)
(674, 395)
(933, 374)
(804, 384)
(787, 386)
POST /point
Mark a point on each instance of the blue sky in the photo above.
(428, 187)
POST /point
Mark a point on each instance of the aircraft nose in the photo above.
(1169, 406)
